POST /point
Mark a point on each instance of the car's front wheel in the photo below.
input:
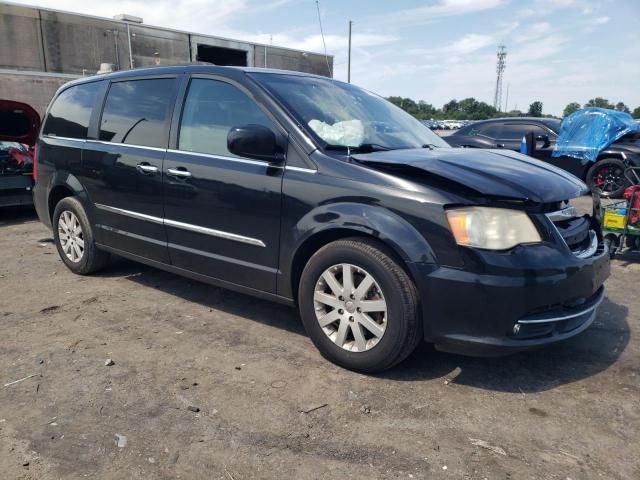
(359, 306)
(74, 239)
(606, 177)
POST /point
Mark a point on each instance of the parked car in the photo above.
(19, 124)
(284, 186)
(605, 176)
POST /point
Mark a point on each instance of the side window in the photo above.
(492, 130)
(210, 110)
(515, 131)
(71, 111)
(136, 112)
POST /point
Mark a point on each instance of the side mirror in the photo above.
(254, 141)
(545, 139)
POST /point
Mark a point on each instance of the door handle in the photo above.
(500, 145)
(179, 172)
(146, 168)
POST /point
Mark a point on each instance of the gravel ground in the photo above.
(210, 384)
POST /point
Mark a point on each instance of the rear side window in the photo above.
(136, 112)
(211, 109)
(515, 131)
(493, 130)
(71, 111)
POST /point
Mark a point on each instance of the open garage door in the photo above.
(222, 56)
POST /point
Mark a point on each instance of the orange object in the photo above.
(458, 224)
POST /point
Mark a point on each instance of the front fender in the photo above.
(372, 220)
(339, 220)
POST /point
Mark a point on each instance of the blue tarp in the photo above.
(585, 133)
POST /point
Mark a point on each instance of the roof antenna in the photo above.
(326, 58)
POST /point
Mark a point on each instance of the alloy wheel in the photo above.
(350, 307)
(610, 179)
(71, 236)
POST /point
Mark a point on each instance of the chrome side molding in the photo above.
(184, 226)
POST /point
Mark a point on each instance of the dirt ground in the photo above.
(269, 405)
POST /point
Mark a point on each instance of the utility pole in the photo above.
(502, 55)
(349, 59)
(115, 32)
(506, 102)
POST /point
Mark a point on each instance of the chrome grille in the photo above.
(575, 231)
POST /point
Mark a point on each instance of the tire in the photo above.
(69, 211)
(606, 177)
(399, 329)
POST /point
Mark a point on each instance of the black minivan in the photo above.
(316, 193)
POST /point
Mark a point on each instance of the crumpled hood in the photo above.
(494, 173)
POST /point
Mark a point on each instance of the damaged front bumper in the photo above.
(529, 297)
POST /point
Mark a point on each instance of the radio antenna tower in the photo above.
(502, 55)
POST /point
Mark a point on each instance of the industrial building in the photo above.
(40, 49)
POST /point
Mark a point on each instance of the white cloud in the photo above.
(336, 43)
(601, 20)
(469, 44)
(536, 30)
(443, 8)
(537, 50)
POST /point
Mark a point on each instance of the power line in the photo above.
(322, 34)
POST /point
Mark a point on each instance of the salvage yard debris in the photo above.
(21, 380)
(312, 409)
(481, 443)
(452, 376)
(121, 440)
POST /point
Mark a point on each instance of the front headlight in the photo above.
(491, 228)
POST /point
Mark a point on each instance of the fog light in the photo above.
(516, 328)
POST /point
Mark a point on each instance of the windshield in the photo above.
(341, 115)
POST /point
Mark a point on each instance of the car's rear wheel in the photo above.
(74, 239)
(359, 306)
(606, 177)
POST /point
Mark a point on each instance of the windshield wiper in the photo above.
(363, 148)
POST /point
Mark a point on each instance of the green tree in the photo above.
(451, 107)
(569, 109)
(621, 107)
(535, 109)
(426, 109)
(599, 102)
(636, 113)
(397, 101)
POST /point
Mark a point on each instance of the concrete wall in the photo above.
(20, 40)
(152, 46)
(33, 88)
(285, 59)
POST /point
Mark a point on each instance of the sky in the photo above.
(558, 51)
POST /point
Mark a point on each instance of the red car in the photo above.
(19, 126)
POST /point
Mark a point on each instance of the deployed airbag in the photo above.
(349, 133)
